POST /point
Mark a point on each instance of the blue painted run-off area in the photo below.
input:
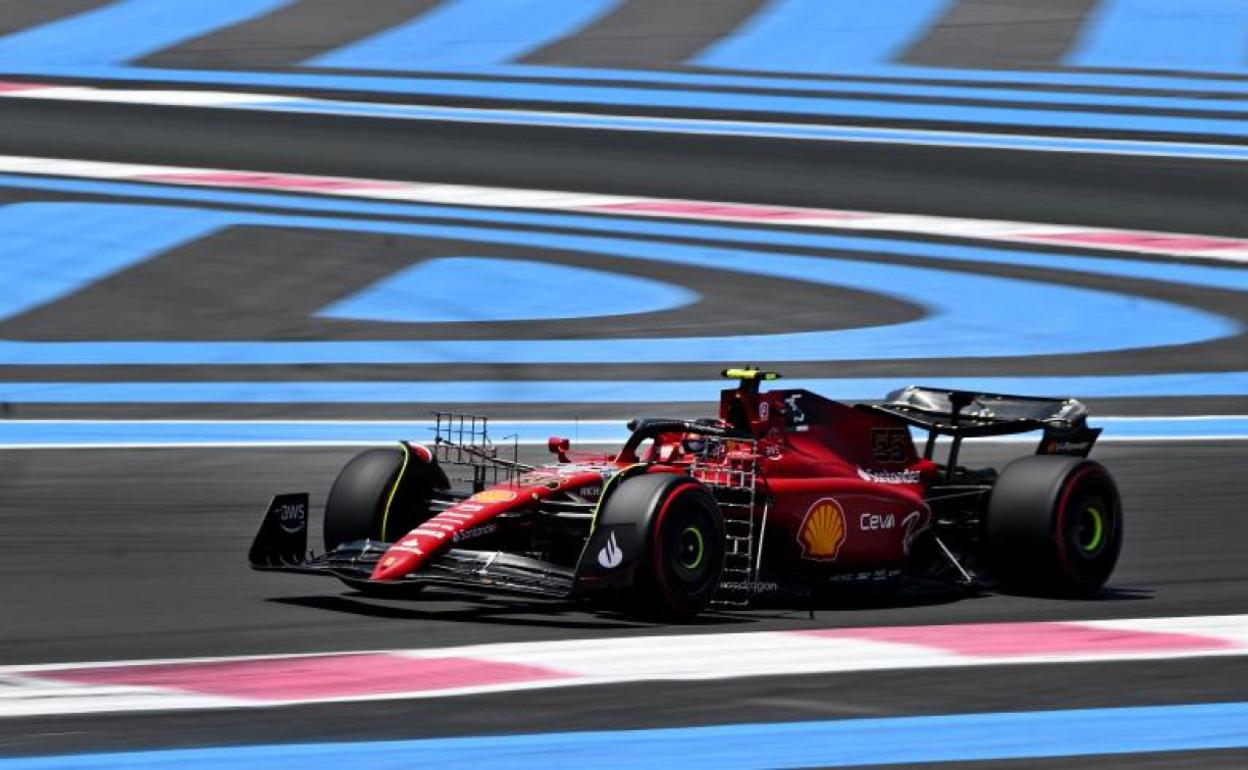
(120, 31)
(823, 36)
(453, 289)
(487, 38)
(837, 743)
(1191, 35)
(103, 433)
(1010, 317)
(460, 33)
(584, 392)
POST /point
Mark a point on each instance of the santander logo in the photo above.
(610, 556)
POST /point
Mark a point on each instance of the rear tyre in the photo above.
(682, 545)
(1054, 526)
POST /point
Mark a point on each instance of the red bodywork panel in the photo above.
(846, 487)
(474, 517)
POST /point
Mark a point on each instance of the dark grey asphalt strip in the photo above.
(288, 36)
(648, 34)
(1197, 196)
(17, 15)
(1001, 34)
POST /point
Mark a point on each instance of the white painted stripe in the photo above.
(27, 697)
(1084, 238)
(31, 690)
(641, 123)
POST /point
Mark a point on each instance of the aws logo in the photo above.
(823, 531)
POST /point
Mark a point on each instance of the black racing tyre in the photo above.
(1054, 526)
(682, 545)
(381, 494)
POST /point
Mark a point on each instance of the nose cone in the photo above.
(397, 562)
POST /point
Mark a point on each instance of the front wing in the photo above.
(281, 545)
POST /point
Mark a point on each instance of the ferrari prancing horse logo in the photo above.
(823, 531)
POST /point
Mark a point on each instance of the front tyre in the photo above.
(1054, 526)
(381, 494)
(682, 542)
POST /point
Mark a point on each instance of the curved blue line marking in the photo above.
(127, 30)
(794, 131)
(460, 33)
(833, 743)
(867, 90)
(1192, 35)
(970, 315)
(91, 243)
(909, 82)
(821, 36)
(124, 30)
(479, 289)
(1232, 277)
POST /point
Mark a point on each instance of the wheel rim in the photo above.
(692, 548)
(1090, 531)
(688, 547)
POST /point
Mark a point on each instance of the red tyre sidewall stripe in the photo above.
(660, 567)
(1062, 505)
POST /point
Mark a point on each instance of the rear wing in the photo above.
(965, 414)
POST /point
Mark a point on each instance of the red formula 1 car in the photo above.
(784, 492)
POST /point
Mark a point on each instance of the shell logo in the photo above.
(823, 531)
(493, 496)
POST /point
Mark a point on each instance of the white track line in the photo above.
(280, 680)
(1233, 250)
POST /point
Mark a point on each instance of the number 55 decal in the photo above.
(888, 445)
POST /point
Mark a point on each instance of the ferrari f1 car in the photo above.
(785, 492)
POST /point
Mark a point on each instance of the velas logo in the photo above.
(494, 496)
(823, 531)
(610, 556)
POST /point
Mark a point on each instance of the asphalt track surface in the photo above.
(116, 554)
(126, 554)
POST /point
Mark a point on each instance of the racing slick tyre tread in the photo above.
(683, 541)
(1054, 526)
(364, 502)
(355, 502)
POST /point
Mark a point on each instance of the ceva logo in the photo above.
(610, 556)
